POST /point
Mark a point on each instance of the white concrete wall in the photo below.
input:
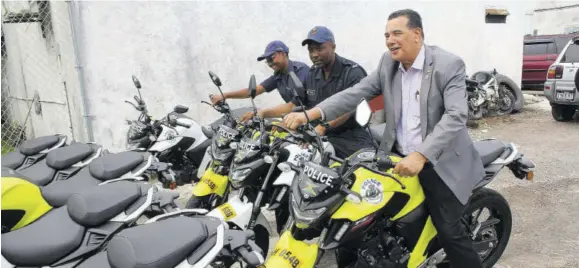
(558, 16)
(170, 46)
(34, 66)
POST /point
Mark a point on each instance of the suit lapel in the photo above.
(425, 89)
(397, 94)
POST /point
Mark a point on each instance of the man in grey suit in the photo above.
(426, 112)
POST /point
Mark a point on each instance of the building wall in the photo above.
(170, 47)
(553, 17)
(39, 69)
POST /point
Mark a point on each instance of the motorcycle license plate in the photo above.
(291, 253)
(567, 96)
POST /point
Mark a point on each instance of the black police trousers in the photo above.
(349, 141)
(446, 212)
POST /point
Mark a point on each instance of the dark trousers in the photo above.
(446, 212)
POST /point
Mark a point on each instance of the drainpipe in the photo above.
(74, 21)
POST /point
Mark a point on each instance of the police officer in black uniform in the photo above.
(276, 56)
(331, 74)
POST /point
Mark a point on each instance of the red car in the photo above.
(539, 53)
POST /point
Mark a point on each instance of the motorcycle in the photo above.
(66, 236)
(18, 212)
(175, 139)
(32, 151)
(210, 191)
(194, 241)
(486, 95)
(371, 217)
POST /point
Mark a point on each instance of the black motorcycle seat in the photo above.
(99, 260)
(13, 159)
(377, 132)
(113, 166)
(165, 243)
(207, 132)
(39, 173)
(58, 192)
(44, 241)
(96, 205)
(63, 158)
(34, 146)
(489, 150)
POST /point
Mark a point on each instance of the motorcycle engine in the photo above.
(383, 250)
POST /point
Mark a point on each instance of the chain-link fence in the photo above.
(32, 83)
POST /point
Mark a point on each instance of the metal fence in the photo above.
(30, 70)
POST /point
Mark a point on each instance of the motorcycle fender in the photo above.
(235, 211)
(285, 178)
(290, 253)
(21, 195)
(211, 183)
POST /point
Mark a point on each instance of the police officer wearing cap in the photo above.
(331, 74)
(276, 57)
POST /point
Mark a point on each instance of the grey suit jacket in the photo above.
(443, 115)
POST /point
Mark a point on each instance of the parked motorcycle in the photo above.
(194, 241)
(24, 202)
(211, 190)
(371, 217)
(175, 138)
(486, 94)
(66, 236)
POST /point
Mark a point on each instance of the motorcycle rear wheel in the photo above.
(496, 227)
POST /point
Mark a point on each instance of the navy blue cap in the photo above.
(273, 47)
(319, 34)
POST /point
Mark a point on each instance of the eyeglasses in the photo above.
(269, 59)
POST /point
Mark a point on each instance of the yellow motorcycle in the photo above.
(372, 218)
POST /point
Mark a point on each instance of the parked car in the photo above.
(539, 53)
(561, 85)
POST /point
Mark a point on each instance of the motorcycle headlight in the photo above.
(237, 177)
(241, 155)
(306, 217)
(136, 130)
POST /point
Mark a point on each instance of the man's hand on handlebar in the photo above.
(215, 99)
(295, 120)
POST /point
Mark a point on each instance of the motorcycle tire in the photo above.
(491, 200)
(519, 101)
(507, 92)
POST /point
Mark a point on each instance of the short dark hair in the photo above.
(414, 19)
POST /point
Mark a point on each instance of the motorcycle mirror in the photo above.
(136, 82)
(180, 109)
(363, 113)
(252, 87)
(215, 78)
(295, 83)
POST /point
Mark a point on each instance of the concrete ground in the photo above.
(545, 232)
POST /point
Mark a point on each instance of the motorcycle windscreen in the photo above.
(211, 183)
(292, 253)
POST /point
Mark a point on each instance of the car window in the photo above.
(551, 48)
(571, 54)
(535, 49)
